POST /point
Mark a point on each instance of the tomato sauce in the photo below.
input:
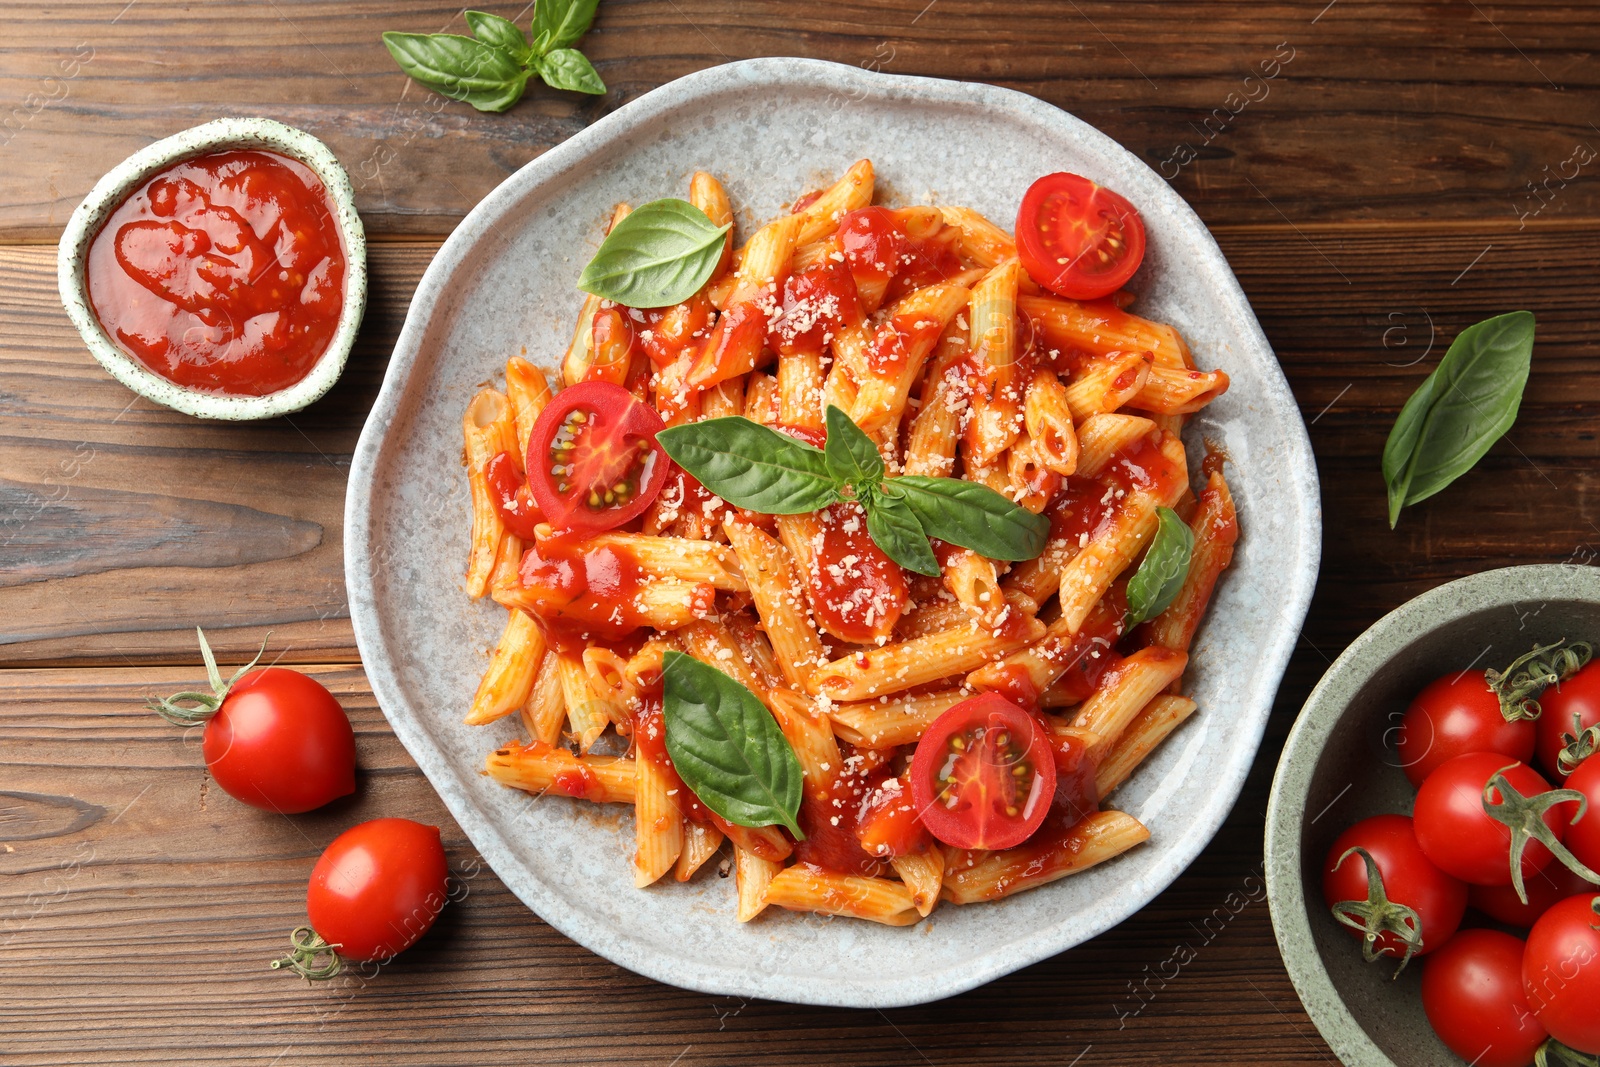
(223, 273)
(873, 243)
(830, 818)
(814, 305)
(1076, 796)
(893, 343)
(857, 592)
(669, 332)
(1086, 657)
(583, 594)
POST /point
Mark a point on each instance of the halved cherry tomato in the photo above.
(378, 887)
(1078, 239)
(1472, 994)
(513, 500)
(1570, 708)
(1453, 716)
(593, 461)
(1410, 880)
(1561, 971)
(984, 774)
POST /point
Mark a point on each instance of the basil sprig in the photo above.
(490, 69)
(726, 747)
(1156, 583)
(660, 254)
(1460, 410)
(753, 467)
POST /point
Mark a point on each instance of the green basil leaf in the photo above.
(1460, 410)
(973, 516)
(727, 748)
(568, 68)
(488, 78)
(852, 457)
(894, 527)
(1166, 564)
(499, 32)
(660, 254)
(564, 21)
(751, 466)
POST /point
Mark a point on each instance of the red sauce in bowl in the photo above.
(224, 273)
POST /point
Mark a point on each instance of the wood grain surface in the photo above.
(1379, 175)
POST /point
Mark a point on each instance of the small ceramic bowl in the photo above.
(126, 178)
(1340, 766)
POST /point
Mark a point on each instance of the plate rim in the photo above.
(1300, 485)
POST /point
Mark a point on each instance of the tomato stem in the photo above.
(1578, 745)
(1520, 684)
(306, 947)
(1554, 1054)
(1525, 817)
(1378, 915)
(194, 707)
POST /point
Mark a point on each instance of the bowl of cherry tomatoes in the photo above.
(1433, 832)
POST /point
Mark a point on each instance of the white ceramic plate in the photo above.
(771, 129)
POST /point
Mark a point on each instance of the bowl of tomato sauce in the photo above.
(1403, 705)
(220, 271)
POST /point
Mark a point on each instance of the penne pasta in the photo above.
(804, 887)
(776, 591)
(923, 875)
(894, 722)
(657, 821)
(1102, 836)
(512, 668)
(540, 768)
(489, 430)
(908, 664)
(1141, 736)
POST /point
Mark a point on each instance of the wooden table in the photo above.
(1407, 169)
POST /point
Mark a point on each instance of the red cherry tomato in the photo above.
(1409, 879)
(1456, 715)
(378, 888)
(1583, 835)
(888, 825)
(281, 742)
(1569, 709)
(513, 500)
(1550, 885)
(1460, 837)
(593, 461)
(1561, 972)
(1472, 994)
(983, 774)
(1078, 239)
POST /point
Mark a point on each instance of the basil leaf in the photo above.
(751, 466)
(893, 527)
(973, 516)
(564, 21)
(1460, 410)
(852, 457)
(568, 68)
(727, 748)
(499, 32)
(488, 78)
(1159, 578)
(660, 254)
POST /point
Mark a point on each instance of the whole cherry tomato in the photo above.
(1571, 711)
(1459, 835)
(1561, 972)
(1583, 836)
(1473, 996)
(1456, 715)
(1552, 884)
(274, 738)
(377, 888)
(1412, 910)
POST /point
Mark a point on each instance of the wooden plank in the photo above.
(1350, 311)
(137, 929)
(1258, 112)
